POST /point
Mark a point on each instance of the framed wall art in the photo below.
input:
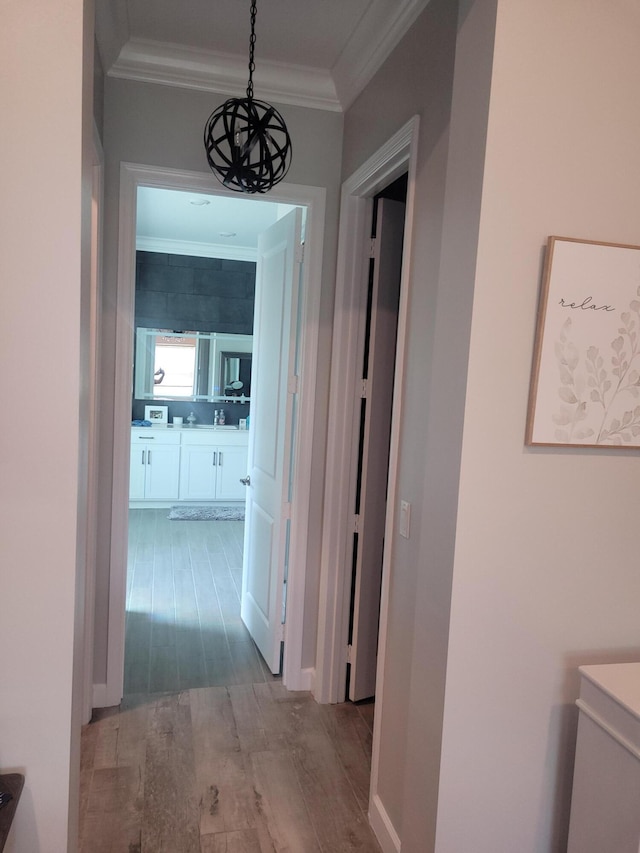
(156, 414)
(585, 385)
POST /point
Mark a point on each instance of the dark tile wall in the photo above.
(203, 411)
(184, 293)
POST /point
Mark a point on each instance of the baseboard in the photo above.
(308, 678)
(382, 827)
(99, 699)
(307, 682)
(304, 679)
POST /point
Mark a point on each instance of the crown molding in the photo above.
(112, 29)
(209, 71)
(196, 250)
(380, 31)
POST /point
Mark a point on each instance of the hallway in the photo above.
(208, 752)
(238, 769)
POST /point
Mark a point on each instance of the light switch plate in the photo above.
(405, 518)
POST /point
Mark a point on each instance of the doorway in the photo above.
(295, 676)
(373, 417)
(193, 321)
(396, 157)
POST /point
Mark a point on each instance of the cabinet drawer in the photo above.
(151, 435)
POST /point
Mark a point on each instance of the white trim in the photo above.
(121, 435)
(394, 158)
(93, 422)
(313, 198)
(307, 679)
(372, 42)
(193, 68)
(607, 728)
(382, 827)
(309, 312)
(198, 250)
(100, 696)
(379, 31)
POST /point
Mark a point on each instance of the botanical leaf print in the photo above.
(605, 384)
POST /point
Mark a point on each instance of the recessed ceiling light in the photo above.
(227, 234)
(199, 202)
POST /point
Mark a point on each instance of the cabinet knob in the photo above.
(246, 481)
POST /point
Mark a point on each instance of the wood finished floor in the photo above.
(238, 769)
(183, 624)
(208, 752)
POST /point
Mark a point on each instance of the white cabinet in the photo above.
(186, 464)
(605, 807)
(232, 465)
(212, 465)
(155, 464)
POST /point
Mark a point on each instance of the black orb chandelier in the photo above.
(247, 142)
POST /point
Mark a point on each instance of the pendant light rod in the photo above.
(252, 47)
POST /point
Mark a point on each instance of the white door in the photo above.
(270, 435)
(374, 451)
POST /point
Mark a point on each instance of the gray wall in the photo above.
(418, 78)
(163, 126)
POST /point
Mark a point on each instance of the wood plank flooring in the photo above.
(183, 625)
(247, 768)
(208, 752)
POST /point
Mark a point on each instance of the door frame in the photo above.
(93, 317)
(396, 156)
(133, 175)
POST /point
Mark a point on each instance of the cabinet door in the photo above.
(198, 472)
(163, 470)
(137, 471)
(232, 464)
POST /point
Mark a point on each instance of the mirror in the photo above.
(235, 374)
(198, 366)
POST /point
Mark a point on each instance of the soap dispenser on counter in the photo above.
(191, 419)
(221, 417)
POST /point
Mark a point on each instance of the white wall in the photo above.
(43, 215)
(163, 126)
(546, 573)
(523, 562)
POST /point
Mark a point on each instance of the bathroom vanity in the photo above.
(605, 807)
(201, 463)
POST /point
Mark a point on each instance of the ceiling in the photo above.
(312, 53)
(189, 223)
(317, 53)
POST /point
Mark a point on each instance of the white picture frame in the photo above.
(158, 415)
